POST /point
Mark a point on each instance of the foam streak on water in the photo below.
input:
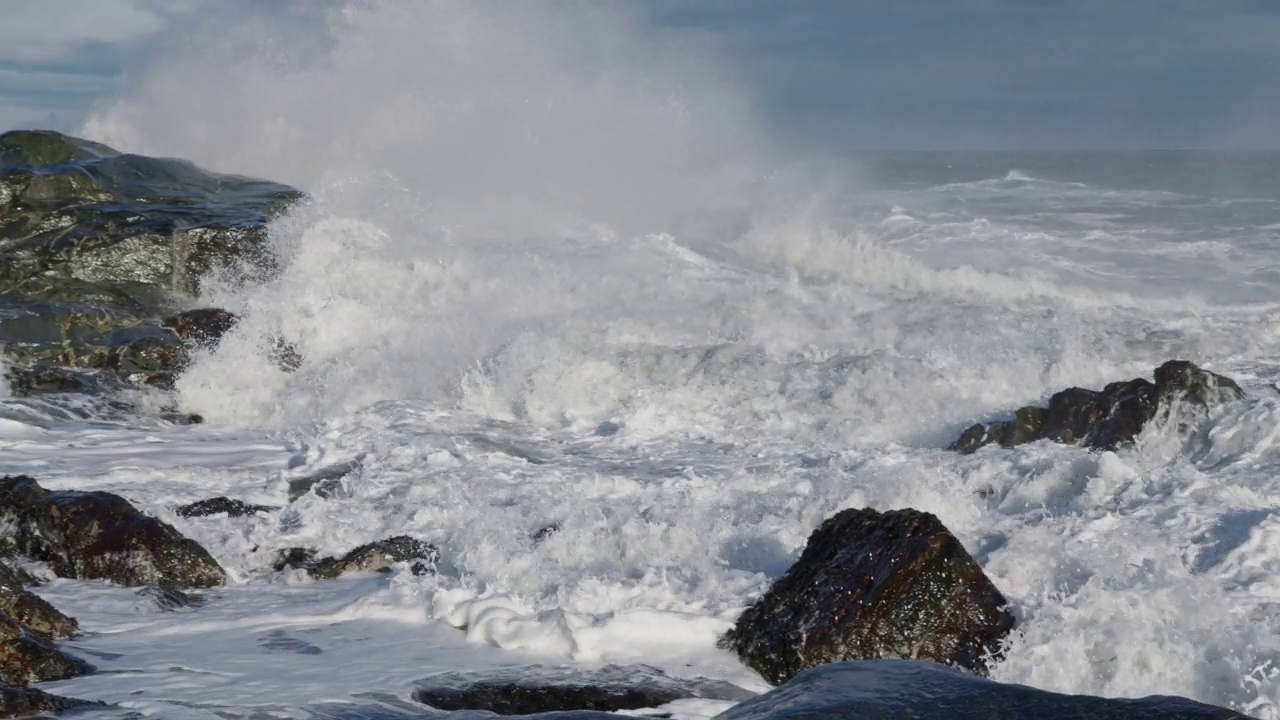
(564, 315)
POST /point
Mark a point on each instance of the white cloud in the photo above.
(42, 31)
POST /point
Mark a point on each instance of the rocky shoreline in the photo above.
(885, 614)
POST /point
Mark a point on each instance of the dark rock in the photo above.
(20, 701)
(538, 689)
(896, 689)
(80, 210)
(150, 356)
(379, 556)
(40, 378)
(96, 246)
(1108, 418)
(214, 506)
(293, 558)
(205, 326)
(171, 598)
(545, 532)
(28, 656)
(97, 535)
(323, 481)
(29, 609)
(874, 585)
(34, 148)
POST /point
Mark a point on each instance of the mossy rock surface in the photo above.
(98, 248)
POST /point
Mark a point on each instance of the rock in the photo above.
(379, 556)
(894, 689)
(874, 585)
(20, 701)
(34, 148)
(1108, 418)
(97, 535)
(204, 327)
(538, 689)
(47, 378)
(324, 481)
(97, 246)
(171, 598)
(215, 506)
(28, 656)
(80, 210)
(31, 610)
(150, 356)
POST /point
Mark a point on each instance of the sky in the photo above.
(848, 74)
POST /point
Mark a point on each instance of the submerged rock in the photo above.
(215, 506)
(874, 585)
(379, 556)
(538, 689)
(895, 689)
(98, 535)
(1105, 419)
(171, 598)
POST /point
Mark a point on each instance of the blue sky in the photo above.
(949, 74)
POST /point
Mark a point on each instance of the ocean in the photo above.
(569, 314)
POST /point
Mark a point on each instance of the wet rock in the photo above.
(28, 656)
(205, 326)
(20, 701)
(1108, 418)
(293, 558)
(80, 210)
(171, 599)
(379, 556)
(34, 148)
(538, 689)
(324, 482)
(215, 506)
(98, 535)
(29, 609)
(25, 381)
(874, 585)
(894, 689)
(97, 246)
(150, 356)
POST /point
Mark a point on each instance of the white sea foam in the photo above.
(564, 315)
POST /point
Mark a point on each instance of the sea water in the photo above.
(572, 312)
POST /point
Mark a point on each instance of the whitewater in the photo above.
(572, 312)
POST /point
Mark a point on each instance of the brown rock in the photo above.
(874, 585)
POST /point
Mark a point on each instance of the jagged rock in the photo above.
(97, 246)
(874, 585)
(98, 535)
(29, 609)
(214, 506)
(28, 656)
(538, 689)
(379, 556)
(896, 689)
(20, 701)
(1108, 418)
(81, 210)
